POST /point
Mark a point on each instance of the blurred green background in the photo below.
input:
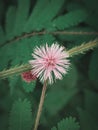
(77, 94)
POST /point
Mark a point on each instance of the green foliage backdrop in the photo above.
(71, 103)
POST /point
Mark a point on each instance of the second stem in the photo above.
(40, 105)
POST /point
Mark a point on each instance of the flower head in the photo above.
(28, 76)
(50, 62)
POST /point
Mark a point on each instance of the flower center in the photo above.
(50, 62)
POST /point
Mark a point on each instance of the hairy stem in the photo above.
(83, 48)
(45, 32)
(74, 51)
(14, 71)
(40, 105)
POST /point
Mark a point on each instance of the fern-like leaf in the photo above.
(28, 87)
(70, 19)
(21, 116)
(21, 16)
(10, 21)
(39, 18)
(67, 124)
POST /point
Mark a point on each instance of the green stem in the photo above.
(14, 71)
(83, 48)
(40, 105)
(74, 51)
(26, 35)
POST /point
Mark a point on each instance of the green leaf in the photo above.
(21, 16)
(43, 14)
(21, 116)
(10, 21)
(28, 87)
(21, 51)
(67, 124)
(70, 19)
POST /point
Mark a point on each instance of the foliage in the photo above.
(25, 24)
(70, 19)
(21, 116)
(67, 124)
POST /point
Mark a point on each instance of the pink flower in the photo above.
(50, 62)
(28, 76)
